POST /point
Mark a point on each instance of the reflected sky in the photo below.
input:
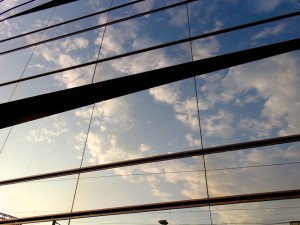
(253, 101)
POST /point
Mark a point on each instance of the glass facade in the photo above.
(77, 44)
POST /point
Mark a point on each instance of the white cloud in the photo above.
(8, 4)
(38, 66)
(76, 77)
(110, 118)
(75, 44)
(125, 38)
(84, 113)
(6, 30)
(205, 48)
(115, 113)
(269, 86)
(143, 6)
(144, 148)
(155, 189)
(241, 181)
(178, 16)
(193, 182)
(48, 135)
(117, 37)
(146, 61)
(270, 31)
(105, 146)
(102, 17)
(219, 124)
(266, 6)
(186, 112)
(275, 80)
(192, 142)
(168, 93)
(80, 139)
(58, 55)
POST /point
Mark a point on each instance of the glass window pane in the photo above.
(253, 101)
(49, 196)
(42, 146)
(265, 169)
(155, 182)
(273, 212)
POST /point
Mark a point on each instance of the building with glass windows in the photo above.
(149, 112)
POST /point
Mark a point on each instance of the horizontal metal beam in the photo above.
(224, 200)
(157, 158)
(24, 110)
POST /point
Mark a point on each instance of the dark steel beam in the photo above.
(224, 200)
(24, 110)
(157, 158)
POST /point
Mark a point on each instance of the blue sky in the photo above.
(249, 102)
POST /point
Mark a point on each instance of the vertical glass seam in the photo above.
(91, 118)
(198, 114)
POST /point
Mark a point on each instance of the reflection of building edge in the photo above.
(37, 107)
(4, 216)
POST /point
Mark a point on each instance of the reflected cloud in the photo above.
(270, 31)
(279, 101)
(75, 44)
(144, 148)
(205, 48)
(252, 179)
(270, 85)
(168, 93)
(266, 6)
(58, 125)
